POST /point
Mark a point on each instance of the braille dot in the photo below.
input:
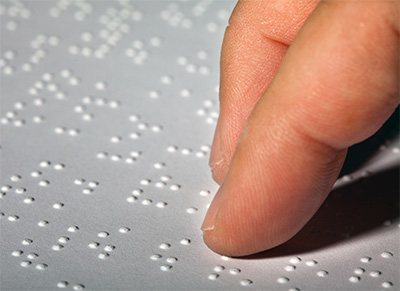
(234, 271)
(41, 266)
(116, 139)
(44, 183)
(283, 280)
(102, 155)
(164, 246)
(155, 257)
(165, 268)
(29, 200)
(246, 282)
(62, 284)
(213, 276)
(386, 255)
(147, 202)
(354, 279)
(290, 268)
(161, 204)
(185, 241)
(15, 178)
(359, 271)
(137, 192)
(43, 223)
(57, 247)
(311, 263)
(63, 239)
(93, 245)
(93, 184)
(19, 123)
(124, 230)
(375, 274)
(59, 166)
(101, 85)
(74, 81)
(38, 119)
(103, 234)
(365, 259)
(58, 205)
(13, 218)
(8, 70)
(156, 128)
(172, 149)
(45, 164)
(32, 256)
(20, 190)
(191, 210)
(175, 187)
(27, 242)
(17, 253)
(25, 263)
(78, 287)
(322, 274)
(109, 248)
(167, 80)
(103, 255)
(134, 117)
(73, 228)
(186, 151)
(6, 188)
(387, 284)
(171, 260)
(73, 132)
(225, 258)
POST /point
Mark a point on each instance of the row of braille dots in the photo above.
(63, 240)
(374, 273)
(109, 247)
(175, 17)
(193, 67)
(101, 102)
(146, 202)
(17, 9)
(219, 269)
(170, 260)
(84, 9)
(139, 52)
(90, 185)
(211, 116)
(22, 190)
(204, 150)
(30, 257)
(11, 117)
(133, 156)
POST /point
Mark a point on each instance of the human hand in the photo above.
(283, 133)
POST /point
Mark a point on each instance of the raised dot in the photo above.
(246, 282)
(59, 166)
(359, 271)
(6, 188)
(283, 280)
(29, 200)
(41, 266)
(234, 271)
(156, 128)
(103, 255)
(13, 217)
(171, 260)
(164, 246)
(185, 241)
(43, 223)
(165, 268)
(186, 151)
(147, 202)
(17, 253)
(38, 119)
(109, 248)
(191, 210)
(155, 257)
(116, 139)
(73, 228)
(386, 255)
(175, 187)
(58, 205)
(93, 184)
(322, 274)
(365, 259)
(63, 239)
(213, 276)
(44, 183)
(167, 80)
(93, 245)
(290, 268)
(134, 117)
(137, 192)
(45, 164)
(20, 190)
(172, 149)
(103, 234)
(101, 85)
(78, 287)
(57, 247)
(15, 178)
(219, 268)
(387, 284)
(124, 230)
(62, 284)
(225, 258)
(311, 263)
(25, 263)
(161, 204)
(102, 155)
(354, 279)
(375, 274)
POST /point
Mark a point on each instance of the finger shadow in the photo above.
(354, 210)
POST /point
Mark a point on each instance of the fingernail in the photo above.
(216, 154)
(209, 220)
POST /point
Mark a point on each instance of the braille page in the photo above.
(107, 114)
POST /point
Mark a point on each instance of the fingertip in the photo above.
(219, 171)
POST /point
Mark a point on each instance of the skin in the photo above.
(301, 81)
